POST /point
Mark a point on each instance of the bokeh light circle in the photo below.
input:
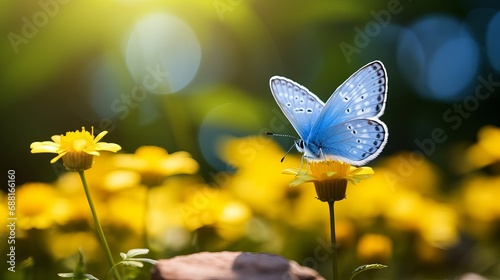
(438, 56)
(163, 53)
(452, 68)
(493, 42)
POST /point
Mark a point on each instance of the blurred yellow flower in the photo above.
(480, 198)
(75, 148)
(155, 163)
(72, 205)
(126, 209)
(410, 170)
(257, 159)
(329, 177)
(486, 151)
(166, 224)
(404, 209)
(374, 248)
(232, 219)
(35, 205)
(438, 225)
(369, 200)
(61, 244)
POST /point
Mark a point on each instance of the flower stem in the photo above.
(98, 225)
(333, 240)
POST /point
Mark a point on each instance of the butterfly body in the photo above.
(347, 126)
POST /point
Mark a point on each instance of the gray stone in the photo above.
(232, 266)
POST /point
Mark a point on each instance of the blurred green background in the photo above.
(193, 76)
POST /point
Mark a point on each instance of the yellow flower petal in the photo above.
(103, 146)
(44, 147)
(362, 170)
(299, 180)
(58, 157)
(56, 139)
(100, 136)
(290, 171)
(331, 173)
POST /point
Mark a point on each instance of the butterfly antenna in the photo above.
(283, 158)
(283, 135)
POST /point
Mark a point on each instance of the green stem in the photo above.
(145, 232)
(98, 225)
(333, 241)
(111, 270)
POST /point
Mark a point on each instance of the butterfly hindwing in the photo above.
(299, 105)
(355, 141)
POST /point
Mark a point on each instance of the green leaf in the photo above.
(79, 272)
(144, 260)
(66, 275)
(76, 276)
(135, 252)
(366, 267)
(132, 263)
(80, 265)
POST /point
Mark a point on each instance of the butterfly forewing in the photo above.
(299, 105)
(361, 96)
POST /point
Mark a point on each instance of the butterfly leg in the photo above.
(323, 156)
(301, 165)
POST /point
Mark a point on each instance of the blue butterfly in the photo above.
(347, 127)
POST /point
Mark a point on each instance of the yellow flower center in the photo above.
(330, 170)
(77, 141)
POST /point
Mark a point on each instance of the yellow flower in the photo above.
(486, 150)
(374, 248)
(155, 163)
(75, 148)
(330, 178)
(36, 203)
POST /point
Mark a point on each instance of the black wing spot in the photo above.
(375, 143)
(309, 110)
(296, 98)
(354, 132)
(378, 107)
(369, 122)
(349, 127)
(348, 110)
(379, 135)
(346, 98)
(288, 104)
(362, 97)
(299, 110)
(377, 128)
(358, 141)
(370, 150)
(363, 155)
